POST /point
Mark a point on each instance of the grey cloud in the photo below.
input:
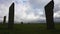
(41, 4)
(57, 8)
(34, 4)
(57, 19)
(5, 1)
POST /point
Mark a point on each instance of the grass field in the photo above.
(29, 29)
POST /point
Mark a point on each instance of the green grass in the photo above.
(29, 29)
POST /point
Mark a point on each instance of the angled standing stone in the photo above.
(4, 20)
(49, 14)
(11, 16)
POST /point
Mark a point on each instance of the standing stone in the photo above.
(21, 22)
(11, 17)
(4, 20)
(49, 14)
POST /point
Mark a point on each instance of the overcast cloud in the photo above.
(28, 10)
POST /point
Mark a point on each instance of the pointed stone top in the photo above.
(13, 3)
(52, 0)
(50, 3)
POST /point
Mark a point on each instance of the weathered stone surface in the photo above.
(4, 20)
(49, 14)
(11, 16)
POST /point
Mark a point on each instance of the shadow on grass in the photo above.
(56, 31)
(29, 31)
(36, 31)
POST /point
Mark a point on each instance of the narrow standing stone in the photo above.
(49, 15)
(11, 17)
(4, 20)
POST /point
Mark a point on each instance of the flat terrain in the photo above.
(29, 29)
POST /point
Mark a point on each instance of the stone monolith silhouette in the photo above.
(11, 17)
(4, 20)
(21, 22)
(49, 14)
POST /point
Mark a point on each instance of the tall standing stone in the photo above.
(11, 16)
(49, 14)
(4, 20)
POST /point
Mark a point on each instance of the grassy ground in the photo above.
(29, 29)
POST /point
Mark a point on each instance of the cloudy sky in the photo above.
(29, 10)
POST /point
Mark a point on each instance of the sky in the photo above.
(29, 10)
